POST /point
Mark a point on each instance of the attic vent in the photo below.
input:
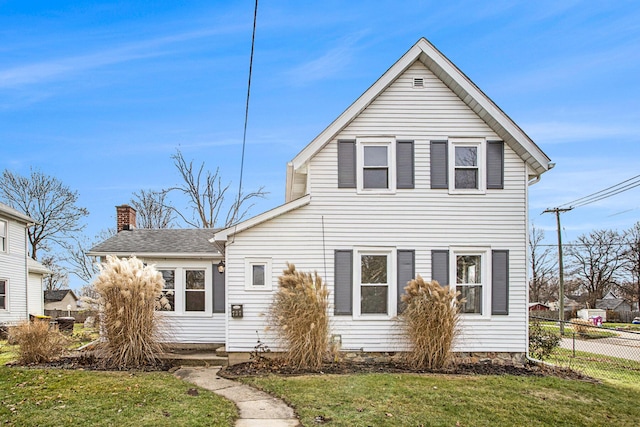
(418, 82)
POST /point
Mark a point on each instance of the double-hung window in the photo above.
(374, 280)
(3, 236)
(376, 160)
(466, 169)
(194, 290)
(471, 281)
(3, 294)
(168, 297)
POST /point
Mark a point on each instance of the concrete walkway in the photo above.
(257, 408)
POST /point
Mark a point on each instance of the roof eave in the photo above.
(167, 255)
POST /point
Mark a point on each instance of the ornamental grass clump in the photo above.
(300, 319)
(129, 292)
(430, 322)
(38, 342)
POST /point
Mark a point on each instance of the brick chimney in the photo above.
(125, 218)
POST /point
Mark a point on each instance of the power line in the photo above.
(621, 187)
(246, 113)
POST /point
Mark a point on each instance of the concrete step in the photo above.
(194, 358)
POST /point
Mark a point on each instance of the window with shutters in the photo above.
(374, 290)
(466, 166)
(470, 270)
(376, 160)
(187, 287)
(258, 274)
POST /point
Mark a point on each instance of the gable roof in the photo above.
(164, 242)
(58, 295)
(6, 210)
(610, 303)
(36, 267)
(453, 78)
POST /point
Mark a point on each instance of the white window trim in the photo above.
(481, 144)
(180, 287)
(391, 282)
(175, 289)
(6, 237)
(248, 274)
(390, 143)
(485, 266)
(6, 295)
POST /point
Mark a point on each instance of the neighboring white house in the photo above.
(423, 174)
(20, 276)
(61, 300)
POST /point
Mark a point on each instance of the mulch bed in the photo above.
(278, 367)
(88, 361)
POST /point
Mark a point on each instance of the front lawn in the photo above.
(55, 397)
(439, 400)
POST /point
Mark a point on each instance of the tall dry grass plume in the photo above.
(37, 342)
(129, 292)
(430, 322)
(300, 319)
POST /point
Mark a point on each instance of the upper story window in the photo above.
(466, 166)
(3, 236)
(376, 165)
(3, 294)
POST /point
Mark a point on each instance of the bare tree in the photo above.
(206, 195)
(82, 266)
(153, 211)
(631, 287)
(595, 261)
(49, 202)
(543, 282)
(59, 279)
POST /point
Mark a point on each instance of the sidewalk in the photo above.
(257, 408)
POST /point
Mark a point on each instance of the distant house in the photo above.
(538, 306)
(422, 175)
(20, 276)
(612, 302)
(61, 300)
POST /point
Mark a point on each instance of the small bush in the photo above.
(542, 342)
(430, 322)
(37, 342)
(299, 316)
(129, 292)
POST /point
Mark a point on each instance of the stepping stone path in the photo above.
(257, 408)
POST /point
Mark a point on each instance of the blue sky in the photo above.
(100, 94)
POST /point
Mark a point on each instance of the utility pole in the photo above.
(557, 211)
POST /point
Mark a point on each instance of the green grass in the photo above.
(627, 326)
(614, 370)
(437, 400)
(54, 397)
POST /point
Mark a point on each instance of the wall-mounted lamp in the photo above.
(221, 267)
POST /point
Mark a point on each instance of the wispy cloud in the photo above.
(64, 67)
(328, 65)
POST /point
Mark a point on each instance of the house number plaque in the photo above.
(236, 310)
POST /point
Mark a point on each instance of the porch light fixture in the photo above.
(221, 267)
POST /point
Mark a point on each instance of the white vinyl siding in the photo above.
(419, 219)
(13, 268)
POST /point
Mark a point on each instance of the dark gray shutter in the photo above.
(495, 164)
(440, 266)
(500, 282)
(404, 164)
(406, 273)
(346, 164)
(439, 165)
(343, 282)
(218, 290)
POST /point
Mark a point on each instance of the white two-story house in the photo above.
(423, 174)
(21, 277)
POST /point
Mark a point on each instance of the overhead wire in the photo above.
(621, 187)
(246, 113)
